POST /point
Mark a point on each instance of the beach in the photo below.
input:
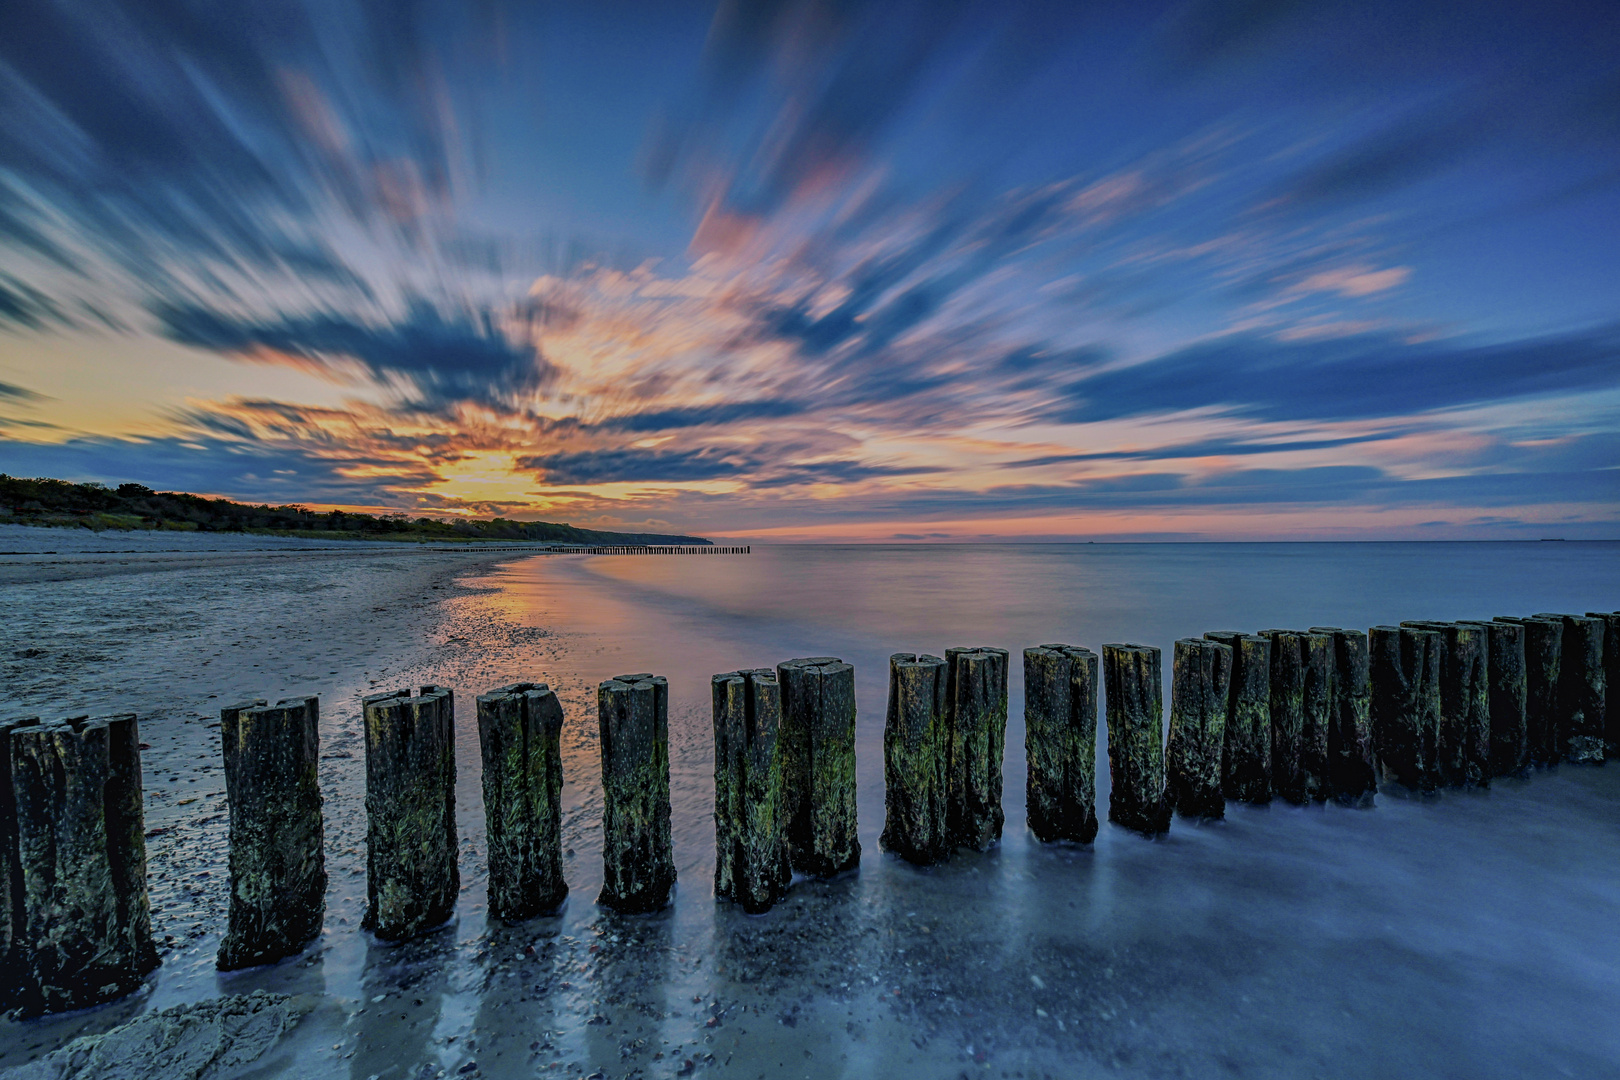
(1469, 934)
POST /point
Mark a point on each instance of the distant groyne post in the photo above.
(411, 874)
(1463, 737)
(1246, 757)
(1352, 761)
(520, 739)
(1286, 707)
(1060, 742)
(81, 926)
(976, 705)
(915, 742)
(1505, 665)
(1405, 670)
(818, 723)
(277, 839)
(1200, 685)
(638, 858)
(1135, 699)
(1543, 649)
(1581, 688)
(1611, 679)
(752, 864)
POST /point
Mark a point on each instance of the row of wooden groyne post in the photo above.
(1304, 716)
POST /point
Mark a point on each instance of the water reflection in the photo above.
(405, 987)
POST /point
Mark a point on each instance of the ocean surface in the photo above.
(1473, 934)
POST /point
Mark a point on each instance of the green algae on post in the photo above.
(1200, 685)
(818, 732)
(1287, 711)
(638, 857)
(1246, 756)
(1505, 670)
(411, 874)
(1581, 689)
(277, 854)
(914, 757)
(1134, 693)
(1352, 762)
(83, 930)
(1318, 697)
(752, 863)
(1611, 679)
(976, 730)
(1405, 676)
(1466, 693)
(520, 739)
(1060, 742)
(1543, 649)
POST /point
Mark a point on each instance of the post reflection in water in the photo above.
(405, 987)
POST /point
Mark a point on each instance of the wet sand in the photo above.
(1470, 935)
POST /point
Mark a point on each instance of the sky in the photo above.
(825, 270)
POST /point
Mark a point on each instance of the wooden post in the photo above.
(1287, 712)
(1246, 758)
(411, 874)
(1581, 689)
(1200, 687)
(1611, 679)
(1543, 648)
(818, 725)
(1466, 692)
(1318, 699)
(1060, 742)
(752, 863)
(277, 857)
(1352, 762)
(976, 707)
(520, 740)
(12, 910)
(83, 930)
(638, 858)
(1135, 700)
(1405, 669)
(915, 748)
(1509, 749)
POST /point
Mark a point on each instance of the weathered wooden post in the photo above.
(1352, 762)
(1287, 710)
(82, 929)
(11, 889)
(411, 873)
(1246, 758)
(916, 744)
(1467, 685)
(752, 863)
(1200, 686)
(1060, 742)
(1135, 702)
(1581, 689)
(818, 730)
(1405, 673)
(520, 741)
(1611, 679)
(1320, 681)
(277, 856)
(638, 857)
(1505, 668)
(976, 707)
(1543, 648)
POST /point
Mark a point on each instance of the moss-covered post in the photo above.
(1317, 650)
(83, 927)
(1467, 685)
(1405, 672)
(752, 864)
(1352, 762)
(520, 740)
(1543, 648)
(1505, 670)
(411, 873)
(11, 890)
(976, 710)
(1287, 710)
(1581, 689)
(1134, 692)
(1200, 685)
(915, 748)
(638, 856)
(1448, 750)
(1246, 757)
(1611, 680)
(277, 857)
(818, 732)
(1060, 742)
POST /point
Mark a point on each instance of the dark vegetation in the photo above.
(132, 506)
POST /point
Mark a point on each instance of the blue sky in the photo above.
(819, 270)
